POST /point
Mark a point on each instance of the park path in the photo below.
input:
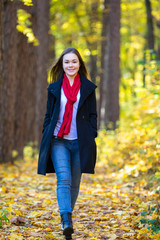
(108, 207)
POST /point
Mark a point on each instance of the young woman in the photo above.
(70, 126)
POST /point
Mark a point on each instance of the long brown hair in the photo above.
(57, 69)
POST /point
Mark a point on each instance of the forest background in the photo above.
(120, 43)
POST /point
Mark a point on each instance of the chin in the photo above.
(72, 74)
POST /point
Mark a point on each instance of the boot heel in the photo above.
(67, 227)
(68, 237)
(68, 231)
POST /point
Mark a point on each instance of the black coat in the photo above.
(86, 126)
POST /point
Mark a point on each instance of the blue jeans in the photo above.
(66, 160)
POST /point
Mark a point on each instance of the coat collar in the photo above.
(87, 87)
(55, 87)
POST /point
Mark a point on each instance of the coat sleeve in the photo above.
(49, 110)
(93, 113)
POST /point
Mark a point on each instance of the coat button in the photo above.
(83, 117)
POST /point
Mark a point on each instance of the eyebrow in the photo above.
(71, 60)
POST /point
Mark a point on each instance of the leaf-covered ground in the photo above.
(120, 201)
(107, 208)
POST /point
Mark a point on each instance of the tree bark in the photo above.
(8, 82)
(21, 94)
(42, 13)
(1, 24)
(25, 90)
(112, 68)
(158, 47)
(52, 53)
(105, 25)
(30, 83)
(158, 52)
(94, 45)
(23, 81)
(150, 29)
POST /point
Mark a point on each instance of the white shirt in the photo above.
(73, 130)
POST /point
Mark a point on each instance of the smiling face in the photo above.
(71, 64)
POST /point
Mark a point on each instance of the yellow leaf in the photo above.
(4, 189)
(137, 200)
(15, 236)
(47, 201)
(112, 236)
(125, 228)
(48, 229)
(115, 225)
(35, 214)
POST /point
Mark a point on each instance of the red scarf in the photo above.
(71, 95)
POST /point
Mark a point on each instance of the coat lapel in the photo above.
(55, 88)
(87, 87)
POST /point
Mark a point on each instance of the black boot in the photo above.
(68, 237)
(67, 227)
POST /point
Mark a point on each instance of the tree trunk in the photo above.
(8, 82)
(150, 29)
(105, 25)
(94, 45)
(1, 24)
(21, 94)
(93, 67)
(52, 53)
(1, 33)
(112, 68)
(30, 84)
(42, 13)
(158, 42)
(158, 52)
(25, 91)
(144, 69)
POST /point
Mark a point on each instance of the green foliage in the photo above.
(71, 24)
(3, 217)
(151, 66)
(133, 149)
(157, 175)
(151, 219)
(156, 178)
(24, 26)
(133, 42)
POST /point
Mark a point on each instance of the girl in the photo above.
(70, 126)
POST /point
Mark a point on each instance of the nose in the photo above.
(70, 64)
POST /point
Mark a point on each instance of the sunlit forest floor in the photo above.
(120, 201)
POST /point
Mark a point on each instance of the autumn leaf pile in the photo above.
(121, 201)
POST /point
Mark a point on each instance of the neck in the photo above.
(71, 79)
